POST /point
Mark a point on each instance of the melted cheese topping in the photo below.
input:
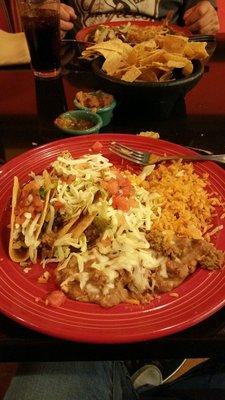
(122, 245)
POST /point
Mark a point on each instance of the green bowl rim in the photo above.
(106, 108)
(93, 129)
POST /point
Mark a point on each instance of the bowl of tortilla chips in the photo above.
(155, 90)
(163, 68)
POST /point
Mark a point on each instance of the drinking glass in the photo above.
(41, 24)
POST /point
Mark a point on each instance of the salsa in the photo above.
(94, 100)
(31, 201)
(74, 123)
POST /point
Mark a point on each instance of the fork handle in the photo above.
(202, 38)
(210, 157)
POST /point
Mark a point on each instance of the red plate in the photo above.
(82, 33)
(201, 295)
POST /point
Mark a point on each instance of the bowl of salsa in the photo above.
(79, 122)
(99, 102)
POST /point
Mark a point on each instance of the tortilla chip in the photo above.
(151, 134)
(160, 66)
(104, 52)
(167, 76)
(174, 44)
(155, 56)
(120, 72)
(105, 48)
(188, 68)
(175, 64)
(163, 53)
(149, 45)
(148, 75)
(113, 63)
(174, 57)
(196, 50)
(132, 58)
(131, 74)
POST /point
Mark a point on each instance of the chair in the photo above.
(9, 16)
(221, 13)
(5, 19)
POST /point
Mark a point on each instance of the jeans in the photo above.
(109, 380)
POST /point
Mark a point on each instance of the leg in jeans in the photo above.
(204, 382)
(106, 380)
(110, 381)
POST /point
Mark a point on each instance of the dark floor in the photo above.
(7, 371)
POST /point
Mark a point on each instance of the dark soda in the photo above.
(43, 37)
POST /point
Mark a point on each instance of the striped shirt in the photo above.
(91, 12)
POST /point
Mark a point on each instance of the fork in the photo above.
(145, 158)
(202, 38)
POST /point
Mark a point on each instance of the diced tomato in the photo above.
(121, 203)
(114, 201)
(44, 278)
(97, 147)
(29, 201)
(126, 190)
(121, 189)
(29, 187)
(20, 218)
(70, 179)
(104, 185)
(38, 203)
(123, 181)
(58, 204)
(55, 299)
(113, 186)
(106, 242)
(67, 178)
(133, 202)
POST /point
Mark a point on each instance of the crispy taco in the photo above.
(55, 229)
(59, 232)
(29, 206)
(69, 211)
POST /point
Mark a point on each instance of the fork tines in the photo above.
(126, 152)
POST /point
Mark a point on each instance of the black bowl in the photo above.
(156, 91)
(157, 100)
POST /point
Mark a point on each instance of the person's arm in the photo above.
(201, 16)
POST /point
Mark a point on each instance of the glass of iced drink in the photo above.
(41, 24)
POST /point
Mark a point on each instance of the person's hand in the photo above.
(67, 18)
(202, 18)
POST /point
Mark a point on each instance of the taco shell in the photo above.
(17, 252)
(17, 255)
(68, 227)
(83, 224)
